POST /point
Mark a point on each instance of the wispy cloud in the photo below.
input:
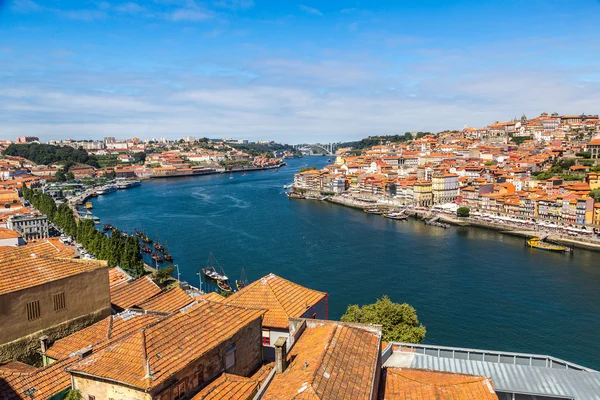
(82, 15)
(190, 14)
(130, 8)
(234, 4)
(26, 6)
(310, 10)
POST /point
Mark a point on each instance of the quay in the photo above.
(504, 228)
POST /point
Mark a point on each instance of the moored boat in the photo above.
(213, 274)
(224, 286)
(242, 282)
(537, 243)
(146, 250)
(168, 257)
(89, 205)
(106, 190)
(107, 227)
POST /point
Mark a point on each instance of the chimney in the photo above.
(44, 343)
(280, 355)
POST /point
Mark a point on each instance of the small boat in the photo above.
(244, 174)
(242, 282)
(373, 211)
(168, 257)
(291, 185)
(107, 227)
(396, 216)
(146, 239)
(294, 195)
(139, 234)
(159, 246)
(537, 243)
(146, 250)
(223, 286)
(156, 257)
(89, 205)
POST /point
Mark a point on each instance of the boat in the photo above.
(146, 250)
(373, 211)
(156, 257)
(89, 205)
(396, 216)
(167, 257)
(244, 174)
(107, 227)
(224, 286)
(291, 185)
(159, 246)
(106, 190)
(211, 272)
(242, 282)
(294, 195)
(96, 220)
(537, 243)
(125, 184)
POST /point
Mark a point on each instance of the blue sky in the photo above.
(290, 71)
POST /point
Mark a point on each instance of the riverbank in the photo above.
(504, 228)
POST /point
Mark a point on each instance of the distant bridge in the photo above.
(317, 148)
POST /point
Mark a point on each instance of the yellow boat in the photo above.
(537, 243)
(89, 205)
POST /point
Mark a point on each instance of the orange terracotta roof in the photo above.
(168, 302)
(412, 384)
(281, 298)
(133, 293)
(117, 276)
(234, 387)
(50, 248)
(167, 346)
(8, 234)
(42, 384)
(109, 329)
(329, 361)
(213, 296)
(21, 273)
(17, 367)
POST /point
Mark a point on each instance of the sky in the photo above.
(290, 71)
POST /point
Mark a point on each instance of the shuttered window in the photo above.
(33, 310)
(59, 301)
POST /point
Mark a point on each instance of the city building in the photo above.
(29, 226)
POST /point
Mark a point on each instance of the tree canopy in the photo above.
(399, 321)
(463, 211)
(48, 154)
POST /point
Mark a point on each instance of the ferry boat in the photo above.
(124, 184)
(537, 243)
(106, 189)
(291, 185)
(89, 205)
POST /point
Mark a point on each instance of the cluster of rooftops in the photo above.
(155, 337)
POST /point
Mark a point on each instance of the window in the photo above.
(266, 337)
(230, 359)
(179, 391)
(314, 316)
(59, 301)
(33, 310)
(90, 397)
(200, 376)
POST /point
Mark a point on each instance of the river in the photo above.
(471, 287)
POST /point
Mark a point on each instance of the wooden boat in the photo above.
(168, 257)
(211, 272)
(223, 286)
(156, 257)
(537, 243)
(242, 282)
(293, 195)
(89, 205)
(159, 247)
(373, 211)
(107, 227)
(146, 250)
(396, 216)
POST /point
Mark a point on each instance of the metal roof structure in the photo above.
(511, 373)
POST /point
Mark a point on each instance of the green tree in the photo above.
(463, 211)
(139, 157)
(399, 321)
(595, 194)
(72, 394)
(308, 168)
(162, 276)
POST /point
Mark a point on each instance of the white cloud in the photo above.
(187, 14)
(234, 4)
(26, 6)
(310, 10)
(130, 8)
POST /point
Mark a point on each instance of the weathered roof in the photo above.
(39, 385)
(21, 273)
(8, 234)
(412, 384)
(330, 361)
(281, 298)
(510, 372)
(109, 329)
(130, 294)
(233, 387)
(167, 346)
(51, 248)
(169, 301)
(117, 276)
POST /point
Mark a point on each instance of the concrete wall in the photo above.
(104, 390)
(87, 300)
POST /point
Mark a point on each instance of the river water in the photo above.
(471, 287)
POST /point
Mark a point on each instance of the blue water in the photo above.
(471, 287)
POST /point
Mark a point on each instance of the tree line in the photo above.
(118, 249)
(371, 141)
(47, 154)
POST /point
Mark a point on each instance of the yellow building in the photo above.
(596, 217)
(593, 179)
(423, 194)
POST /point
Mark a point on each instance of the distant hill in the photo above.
(47, 154)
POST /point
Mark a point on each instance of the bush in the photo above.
(463, 212)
